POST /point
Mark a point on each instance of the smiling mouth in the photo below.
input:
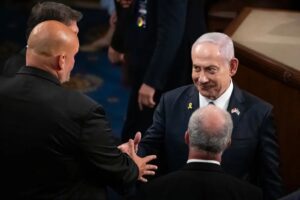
(205, 87)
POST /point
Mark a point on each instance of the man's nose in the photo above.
(202, 78)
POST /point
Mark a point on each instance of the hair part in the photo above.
(223, 41)
(210, 129)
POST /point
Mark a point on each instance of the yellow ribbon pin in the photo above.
(190, 106)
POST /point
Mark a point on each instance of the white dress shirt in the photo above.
(203, 161)
(221, 102)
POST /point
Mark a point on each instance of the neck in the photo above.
(204, 155)
(41, 62)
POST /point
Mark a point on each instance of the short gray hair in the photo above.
(210, 129)
(223, 41)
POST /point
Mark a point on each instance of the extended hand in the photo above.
(146, 96)
(125, 148)
(142, 163)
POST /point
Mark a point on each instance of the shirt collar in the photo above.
(203, 161)
(222, 102)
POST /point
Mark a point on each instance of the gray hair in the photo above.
(223, 41)
(210, 129)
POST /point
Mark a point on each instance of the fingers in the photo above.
(136, 140)
(125, 147)
(145, 100)
(143, 179)
(137, 137)
(147, 159)
(146, 96)
(148, 170)
(151, 103)
(131, 147)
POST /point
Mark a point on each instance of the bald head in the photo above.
(52, 47)
(210, 129)
(50, 38)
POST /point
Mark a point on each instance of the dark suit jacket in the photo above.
(56, 143)
(200, 181)
(13, 64)
(253, 154)
(292, 196)
(158, 54)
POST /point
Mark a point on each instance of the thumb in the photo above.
(131, 148)
(152, 102)
(137, 138)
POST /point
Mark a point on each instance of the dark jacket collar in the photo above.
(202, 166)
(33, 71)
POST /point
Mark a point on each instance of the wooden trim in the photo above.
(260, 62)
(266, 65)
(237, 22)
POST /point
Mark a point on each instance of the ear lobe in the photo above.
(187, 138)
(234, 63)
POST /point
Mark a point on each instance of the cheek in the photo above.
(194, 76)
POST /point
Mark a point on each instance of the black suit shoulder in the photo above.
(200, 184)
(254, 100)
(181, 91)
(13, 64)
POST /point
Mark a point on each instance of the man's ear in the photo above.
(234, 63)
(61, 62)
(229, 143)
(187, 137)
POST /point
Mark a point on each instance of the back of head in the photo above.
(48, 40)
(223, 41)
(210, 129)
(51, 11)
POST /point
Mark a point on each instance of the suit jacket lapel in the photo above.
(236, 106)
(192, 101)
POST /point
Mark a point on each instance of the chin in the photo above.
(208, 95)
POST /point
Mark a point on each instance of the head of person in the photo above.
(209, 132)
(213, 64)
(52, 47)
(53, 11)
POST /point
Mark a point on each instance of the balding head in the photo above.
(52, 47)
(210, 129)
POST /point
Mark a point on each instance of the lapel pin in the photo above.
(190, 106)
(235, 110)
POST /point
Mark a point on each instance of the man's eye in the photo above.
(211, 70)
(196, 68)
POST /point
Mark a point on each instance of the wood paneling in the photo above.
(279, 85)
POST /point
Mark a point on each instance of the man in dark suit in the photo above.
(253, 154)
(158, 39)
(292, 196)
(40, 12)
(208, 135)
(56, 143)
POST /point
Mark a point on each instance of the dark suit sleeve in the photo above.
(269, 159)
(171, 26)
(122, 24)
(13, 64)
(152, 141)
(100, 154)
